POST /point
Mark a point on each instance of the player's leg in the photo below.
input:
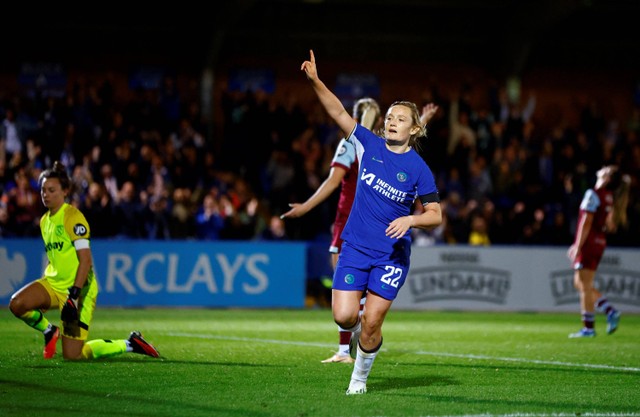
(370, 342)
(603, 305)
(344, 336)
(350, 281)
(583, 281)
(355, 336)
(381, 291)
(75, 335)
(342, 355)
(345, 306)
(103, 348)
(29, 304)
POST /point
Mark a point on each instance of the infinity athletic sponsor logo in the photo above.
(384, 188)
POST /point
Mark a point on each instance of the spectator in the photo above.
(209, 220)
(11, 135)
(128, 213)
(24, 205)
(479, 235)
(97, 207)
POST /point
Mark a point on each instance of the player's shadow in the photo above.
(399, 382)
(161, 361)
(150, 407)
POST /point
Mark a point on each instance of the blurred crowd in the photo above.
(147, 168)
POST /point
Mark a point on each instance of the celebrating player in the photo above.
(344, 173)
(376, 250)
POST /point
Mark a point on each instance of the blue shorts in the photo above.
(369, 270)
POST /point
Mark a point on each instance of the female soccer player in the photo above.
(69, 282)
(377, 242)
(602, 210)
(344, 173)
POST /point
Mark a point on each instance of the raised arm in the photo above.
(329, 101)
(428, 111)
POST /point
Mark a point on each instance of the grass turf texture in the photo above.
(267, 363)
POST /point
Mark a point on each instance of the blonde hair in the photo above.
(367, 112)
(620, 185)
(620, 202)
(415, 119)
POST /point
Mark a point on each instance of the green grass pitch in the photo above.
(267, 363)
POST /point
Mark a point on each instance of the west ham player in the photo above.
(602, 210)
(68, 283)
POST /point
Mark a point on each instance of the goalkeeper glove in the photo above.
(70, 308)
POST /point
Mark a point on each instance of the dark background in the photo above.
(502, 36)
(579, 58)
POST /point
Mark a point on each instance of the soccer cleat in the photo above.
(356, 387)
(50, 342)
(612, 321)
(141, 346)
(353, 344)
(584, 332)
(337, 358)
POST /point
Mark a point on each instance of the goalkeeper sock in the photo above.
(103, 348)
(36, 320)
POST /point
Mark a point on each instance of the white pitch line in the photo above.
(539, 362)
(546, 415)
(443, 354)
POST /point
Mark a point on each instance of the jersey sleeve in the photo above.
(590, 201)
(76, 225)
(345, 155)
(427, 188)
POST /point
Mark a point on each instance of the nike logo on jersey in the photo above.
(377, 160)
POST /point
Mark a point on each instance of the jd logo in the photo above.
(80, 229)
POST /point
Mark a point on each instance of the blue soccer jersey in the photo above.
(388, 185)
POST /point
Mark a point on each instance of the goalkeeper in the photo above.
(69, 282)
